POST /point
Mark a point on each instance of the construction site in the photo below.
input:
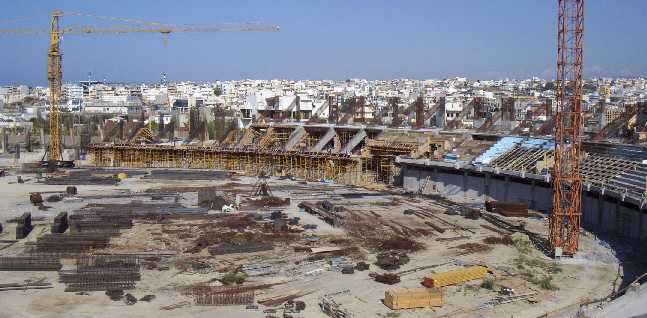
(352, 215)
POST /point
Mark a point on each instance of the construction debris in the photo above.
(71, 190)
(54, 198)
(176, 305)
(469, 248)
(268, 201)
(212, 199)
(503, 240)
(129, 299)
(413, 298)
(29, 284)
(277, 301)
(115, 294)
(399, 243)
(362, 266)
(391, 260)
(387, 278)
(147, 298)
(227, 248)
(36, 198)
(330, 307)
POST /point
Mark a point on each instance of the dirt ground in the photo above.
(591, 274)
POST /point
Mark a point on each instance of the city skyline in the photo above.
(326, 40)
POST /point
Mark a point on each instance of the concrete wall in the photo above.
(601, 214)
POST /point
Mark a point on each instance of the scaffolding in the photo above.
(341, 168)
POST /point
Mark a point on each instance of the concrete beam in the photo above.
(325, 139)
(355, 141)
(295, 137)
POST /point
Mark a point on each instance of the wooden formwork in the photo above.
(340, 168)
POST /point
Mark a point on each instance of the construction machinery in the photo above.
(567, 179)
(54, 61)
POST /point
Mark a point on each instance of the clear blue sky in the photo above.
(327, 39)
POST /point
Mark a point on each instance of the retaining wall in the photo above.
(605, 213)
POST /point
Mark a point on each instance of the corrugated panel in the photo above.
(455, 276)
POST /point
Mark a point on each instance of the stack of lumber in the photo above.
(455, 277)
(406, 298)
(507, 208)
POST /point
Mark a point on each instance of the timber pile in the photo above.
(455, 277)
(510, 209)
(413, 298)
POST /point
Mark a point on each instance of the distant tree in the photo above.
(550, 86)
(589, 88)
(28, 100)
(347, 105)
(217, 90)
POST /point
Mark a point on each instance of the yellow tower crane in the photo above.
(54, 57)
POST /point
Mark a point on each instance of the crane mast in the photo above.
(55, 57)
(567, 179)
(54, 78)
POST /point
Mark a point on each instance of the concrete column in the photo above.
(486, 186)
(617, 226)
(28, 141)
(43, 142)
(600, 211)
(641, 222)
(532, 194)
(5, 141)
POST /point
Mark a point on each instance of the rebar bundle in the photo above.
(102, 272)
(99, 286)
(98, 262)
(70, 243)
(220, 299)
(30, 263)
(105, 276)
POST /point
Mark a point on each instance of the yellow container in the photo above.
(455, 277)
(406, 298)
